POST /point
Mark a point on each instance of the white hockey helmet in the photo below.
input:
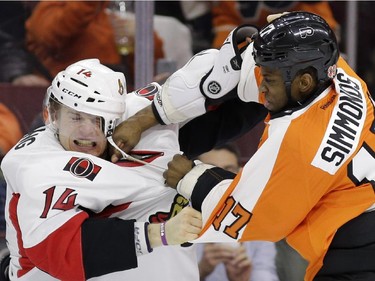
(90, 87)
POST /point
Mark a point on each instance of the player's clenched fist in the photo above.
(183, 227)
(177, 169)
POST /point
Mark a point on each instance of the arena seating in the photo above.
(25, 102)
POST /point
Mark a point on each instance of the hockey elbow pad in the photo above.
(180, 98)
(209, 74)
(224, 76)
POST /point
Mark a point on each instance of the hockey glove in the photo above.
(209, 74)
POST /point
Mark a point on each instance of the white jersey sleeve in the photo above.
(211, 75)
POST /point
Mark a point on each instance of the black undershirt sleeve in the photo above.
(229, 121)
(156, 114)
(209, 179)
(108, 246)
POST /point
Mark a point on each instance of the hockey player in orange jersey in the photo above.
(312, 178)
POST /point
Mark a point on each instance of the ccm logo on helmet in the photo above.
(70, 93)
(306, 31)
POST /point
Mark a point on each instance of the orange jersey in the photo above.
(313, 172)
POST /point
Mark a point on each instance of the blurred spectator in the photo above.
(365, 47)
(290, 265)
(197, 16)
(41, 118)
(10, 130)
(60, 33)
(226, 156)
(177, 43)
(2, 208)
(17, 66)
(10, 134)
(249, 261)
(211, 21)
(235, 13)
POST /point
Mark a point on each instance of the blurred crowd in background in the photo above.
(40, 38)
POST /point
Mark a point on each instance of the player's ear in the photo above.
(52, 114)
(306, 83)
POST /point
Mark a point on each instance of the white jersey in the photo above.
(49, 193)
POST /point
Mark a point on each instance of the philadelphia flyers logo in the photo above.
(306, 31)
(82, 168)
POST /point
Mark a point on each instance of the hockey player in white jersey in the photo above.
(62, 189)
(64, 199)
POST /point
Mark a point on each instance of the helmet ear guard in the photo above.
(295, 41)
(90, 87)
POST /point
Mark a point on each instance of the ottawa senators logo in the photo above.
(148, 92)
(82, 168)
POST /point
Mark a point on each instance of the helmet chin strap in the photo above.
(291, 103)
(288, 79)
(294, 103)
(288, 89)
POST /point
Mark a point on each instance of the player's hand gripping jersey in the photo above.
(313, 172)
(51, 191)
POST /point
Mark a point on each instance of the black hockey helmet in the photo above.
(296, 41)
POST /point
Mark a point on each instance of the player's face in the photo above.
(81, 132)
(273, 87)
